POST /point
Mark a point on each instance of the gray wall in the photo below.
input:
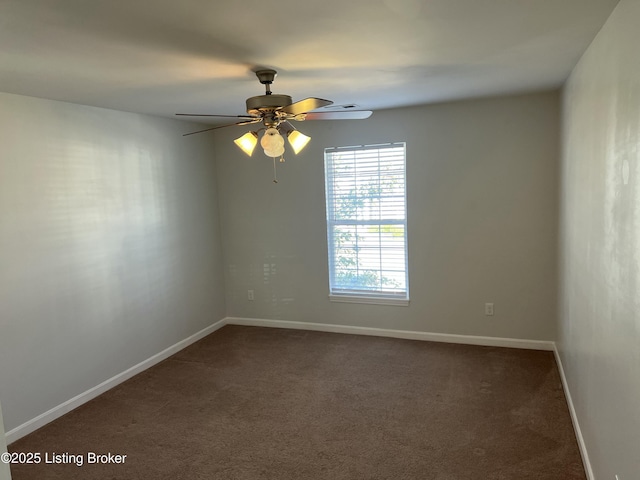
(109, 246)
(599, 335)
(482, 220)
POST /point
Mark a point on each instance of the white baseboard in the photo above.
(50, 415)
(574, 418)
(58, 411)
(406, 334)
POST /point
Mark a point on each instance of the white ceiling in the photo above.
(166, 56)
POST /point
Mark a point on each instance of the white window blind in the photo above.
(367, 221)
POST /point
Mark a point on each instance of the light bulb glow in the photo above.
(247, 142)
(298, 141)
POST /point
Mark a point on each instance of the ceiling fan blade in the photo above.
(343, 115)
(247, 122)
(203, 115)
(306, 105)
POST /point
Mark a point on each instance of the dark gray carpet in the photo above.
(257, 403)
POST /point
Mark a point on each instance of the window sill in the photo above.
(399, 302)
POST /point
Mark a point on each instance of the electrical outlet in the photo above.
(250, 294)
(488, 309)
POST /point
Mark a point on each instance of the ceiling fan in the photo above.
(275, 111)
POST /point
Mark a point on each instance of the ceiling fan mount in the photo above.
(266, 76)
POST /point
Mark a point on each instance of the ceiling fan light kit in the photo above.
(275, 111)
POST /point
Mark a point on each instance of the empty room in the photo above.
(378, 239)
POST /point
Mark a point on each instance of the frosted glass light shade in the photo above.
(272, 142)
(247, 142)
(275, 152)
(298, 141)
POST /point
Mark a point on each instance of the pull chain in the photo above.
(275, 178)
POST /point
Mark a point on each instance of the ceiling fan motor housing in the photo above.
(267, 103)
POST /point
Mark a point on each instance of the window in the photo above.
(367, 223)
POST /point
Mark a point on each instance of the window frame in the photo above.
(354, 295)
